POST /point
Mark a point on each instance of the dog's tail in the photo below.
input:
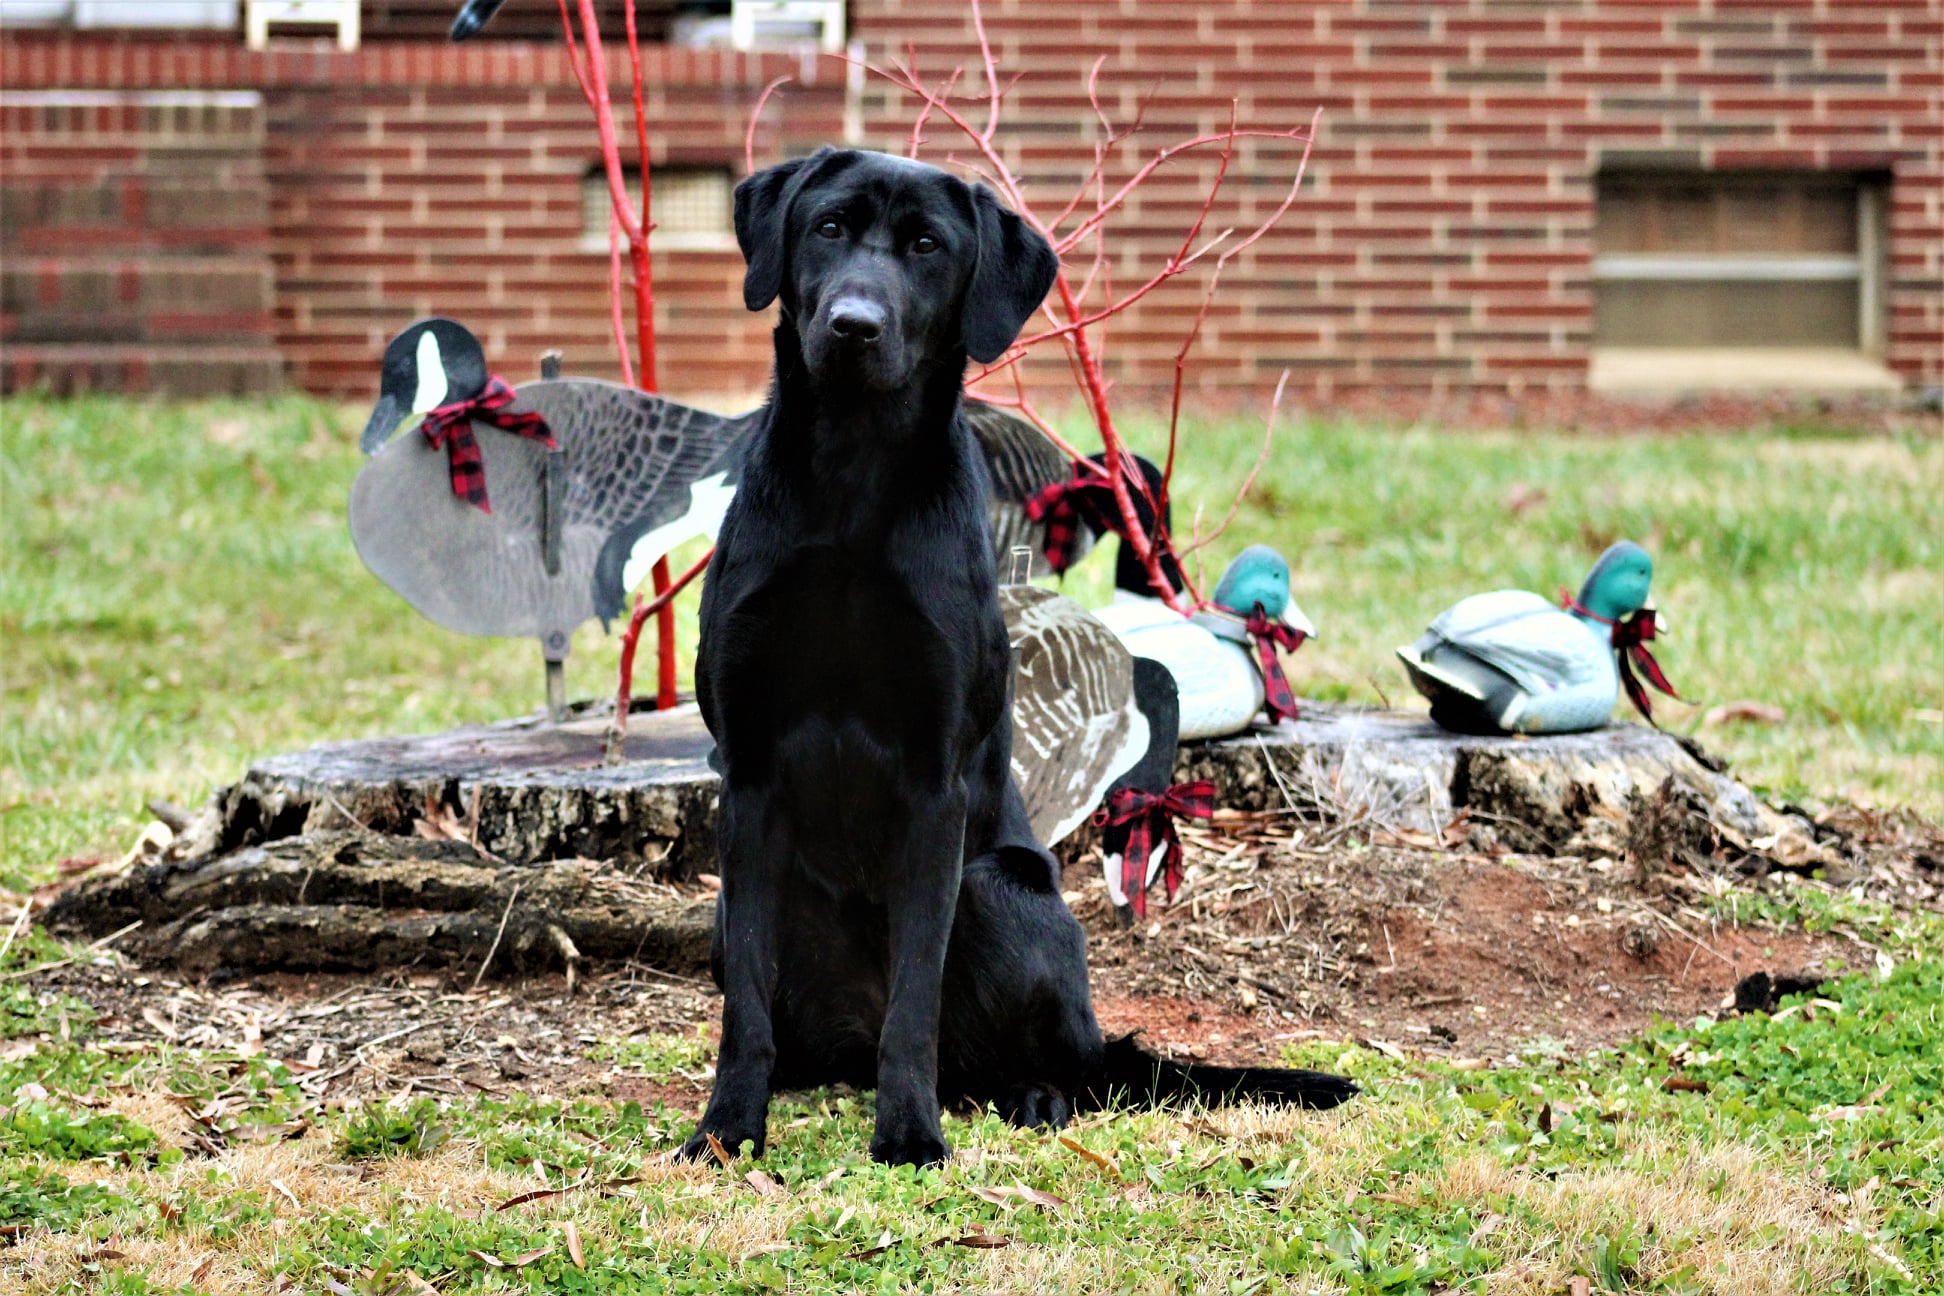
(1133, 1074)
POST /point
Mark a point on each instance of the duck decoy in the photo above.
(523, 511)
(1224, 658)
(1511, 662)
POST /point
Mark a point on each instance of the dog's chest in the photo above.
(843, 648)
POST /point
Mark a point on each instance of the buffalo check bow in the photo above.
(1630, 638)
(451, 426)
(1148, 814)
(1268, 633)
(1058, 506)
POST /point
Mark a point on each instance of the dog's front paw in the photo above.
(912, 1147)
(1030, 1106)
(699, 1148)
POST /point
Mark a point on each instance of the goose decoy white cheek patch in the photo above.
(432, 388)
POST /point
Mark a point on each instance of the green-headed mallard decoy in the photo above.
(1511, 662)
(1224, 658)
(525, 511)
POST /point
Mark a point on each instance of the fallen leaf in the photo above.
(979, 1241)
(1683, 1084)
(572, 1235)
(763, 1184)
(1579, 1285)
(721, 1152)
(163, 1026)
(517, 1262)
(1099, 1161)
(1744, 711)
(1035, 1197)
(1522, 498)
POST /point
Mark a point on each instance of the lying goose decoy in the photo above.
(1077, 723)
(1224, 664)
(1511, 662)
(525, 511)
(1138, 841)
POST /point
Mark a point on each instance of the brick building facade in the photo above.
(1503, 197)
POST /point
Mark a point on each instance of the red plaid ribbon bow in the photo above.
(451, 425)
(1058, 506)
(1267, 632)
(1630, 638)
(1146, 814)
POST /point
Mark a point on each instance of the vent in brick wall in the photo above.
(1710, 260)
(692, 208)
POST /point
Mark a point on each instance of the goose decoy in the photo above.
(1138, 841)
(473, 16)
(525, 511)
(1221, 687)
(1224, 658)
(1075, 507)
(1077, 724)
(1096, 731)
(1511, 662)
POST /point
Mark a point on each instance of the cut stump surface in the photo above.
(514, 841)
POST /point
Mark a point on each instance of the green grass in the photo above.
(1800, 1154)
(179, 595)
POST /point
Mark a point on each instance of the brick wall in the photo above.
(1442, 246)
(120, 272)
(1444, 240)
(413, 178)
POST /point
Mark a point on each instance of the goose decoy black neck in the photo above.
(435, 362)
(473, 16)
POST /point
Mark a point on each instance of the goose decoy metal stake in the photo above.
(523, 511)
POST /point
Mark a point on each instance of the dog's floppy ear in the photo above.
(762, 207)
(1015, 270)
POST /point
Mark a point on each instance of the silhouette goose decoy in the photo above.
(1512, 662)
(1078, 510)
(523, 511)
(1223, 660)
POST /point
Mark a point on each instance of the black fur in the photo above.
(886, 917)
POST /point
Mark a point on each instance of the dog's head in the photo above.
(885, 265)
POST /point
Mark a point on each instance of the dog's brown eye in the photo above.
(830, 229)
(924, 243)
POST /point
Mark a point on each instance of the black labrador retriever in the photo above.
(886, 916)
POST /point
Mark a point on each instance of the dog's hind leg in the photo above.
(1019, 1025)
(920, 905)
(753, 852)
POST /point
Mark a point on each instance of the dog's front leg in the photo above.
(922, 904)
(752, 854)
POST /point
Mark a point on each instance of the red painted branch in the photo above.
(664, 599)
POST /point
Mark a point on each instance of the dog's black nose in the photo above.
(857, 320)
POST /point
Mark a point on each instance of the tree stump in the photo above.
(514, 841)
